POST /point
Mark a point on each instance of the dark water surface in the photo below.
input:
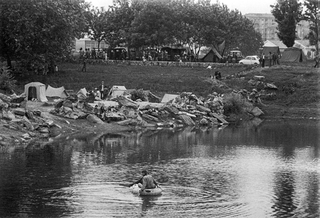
(268, 169)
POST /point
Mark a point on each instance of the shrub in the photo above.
(234, 104)
(7, 81)
(138, 94)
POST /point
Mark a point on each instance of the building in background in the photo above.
(85, 43)
(267, 26)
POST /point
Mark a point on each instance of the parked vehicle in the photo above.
(234, 56)
(250, 60)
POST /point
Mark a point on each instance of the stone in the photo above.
(19, 111)
(202, 108)
(256, 112)
(204, 122)
(94, 119)
(27, 123)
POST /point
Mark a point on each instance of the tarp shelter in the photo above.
(168, 97)
(212, 56)
(293, 54)
(56, 92)
(82, 94)
(35, 90)
(270, 47)
(116, 91)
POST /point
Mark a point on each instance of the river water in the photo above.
(255, 169)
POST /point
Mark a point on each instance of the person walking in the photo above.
(316, 59)
(263, 60)
(84, 65)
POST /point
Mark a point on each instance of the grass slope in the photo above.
(297, 94)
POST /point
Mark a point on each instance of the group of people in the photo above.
(269, 59)
(93, 54)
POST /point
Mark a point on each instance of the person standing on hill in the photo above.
(84, 65)
(263, 60)
(270, 58)
(274, 58)
(316, 59)
(81, 52)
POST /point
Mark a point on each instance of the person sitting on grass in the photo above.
(146, 181)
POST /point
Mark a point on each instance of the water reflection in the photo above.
(284, 205)
(259, 169)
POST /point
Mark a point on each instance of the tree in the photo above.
(120, 17)
(287, 14)
(96, 23)
(153, 24)
(311, 14)
(37, 33)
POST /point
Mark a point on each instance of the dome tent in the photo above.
(35, 90)
(293, 54)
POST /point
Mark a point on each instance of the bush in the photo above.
(7, 81)
(138, 94)
(234, 104)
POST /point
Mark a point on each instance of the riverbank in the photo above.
(286, 91)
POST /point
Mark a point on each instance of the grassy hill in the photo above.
(297, 93)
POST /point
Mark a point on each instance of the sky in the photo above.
(244, 6)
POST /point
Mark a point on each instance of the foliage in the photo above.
(96, 23)
(312, 10)
(145, 23)
(119, 16)
(138, 94)
(39, 33)
(152, 24)
(39, 30)
(234, 103)
(7, 81)
(287, 14)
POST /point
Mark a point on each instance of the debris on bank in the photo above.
(185, 109)
(137, 108)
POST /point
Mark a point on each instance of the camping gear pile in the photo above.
(185, 109)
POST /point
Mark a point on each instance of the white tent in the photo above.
(82, 94)
(56, 92)
(35, 90)
(168, 97)
(116, 91)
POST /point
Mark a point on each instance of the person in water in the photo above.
(146, 181)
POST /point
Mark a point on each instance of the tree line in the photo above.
(288, 13)
(38, 33)
(143, 24)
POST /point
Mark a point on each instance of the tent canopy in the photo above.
(35, 90)
(56, 92)
(270, 46)
(293, 54)
(212, 56)
(168, 97)
(116, 91)
(267, 50)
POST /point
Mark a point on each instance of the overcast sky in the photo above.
(244, 6)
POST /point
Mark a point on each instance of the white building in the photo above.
(267, 26)
(85, 43)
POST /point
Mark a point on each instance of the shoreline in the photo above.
(72, 128)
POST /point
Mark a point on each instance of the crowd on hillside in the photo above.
(269, 59)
